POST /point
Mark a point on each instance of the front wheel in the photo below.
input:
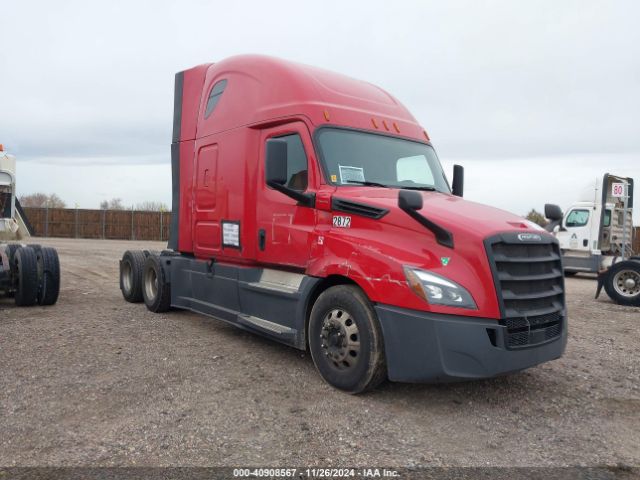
(346, 341)
(623, 283)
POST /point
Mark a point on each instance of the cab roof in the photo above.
(261, 89)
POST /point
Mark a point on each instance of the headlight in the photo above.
(438, 290)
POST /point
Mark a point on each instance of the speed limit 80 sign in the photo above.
(617, 190)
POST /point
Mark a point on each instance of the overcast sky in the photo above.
(534, 98)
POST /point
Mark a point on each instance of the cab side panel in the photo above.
(188, 90)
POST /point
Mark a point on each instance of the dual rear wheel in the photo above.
(36, 273)
(143, 278)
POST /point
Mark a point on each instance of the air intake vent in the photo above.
(357, 208)
(530, 286)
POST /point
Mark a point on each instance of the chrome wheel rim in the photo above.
(627, 283)
(340, 339)
(127, 276)
(151, 283)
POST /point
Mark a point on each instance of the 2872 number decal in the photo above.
(341, 221)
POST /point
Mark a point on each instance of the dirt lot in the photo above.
(95, 380)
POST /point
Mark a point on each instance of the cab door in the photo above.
(576, 235)
(284, 228)
(206, 228)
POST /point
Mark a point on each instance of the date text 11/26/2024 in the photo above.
(241, 473)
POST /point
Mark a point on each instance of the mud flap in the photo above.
(602, 277)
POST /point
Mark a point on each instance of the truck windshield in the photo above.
(358, 158)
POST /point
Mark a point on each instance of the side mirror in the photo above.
(410, 200)
(276, 162)
(458, 180)
(552, 212)
(276, 173)
(556, 229)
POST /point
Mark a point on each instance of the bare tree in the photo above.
(113, 204)
(151, 206)
(41, 200)
(536, 217)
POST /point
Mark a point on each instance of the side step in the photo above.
(266, 326)
(277, 281)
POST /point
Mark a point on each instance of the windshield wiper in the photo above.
(366, 183)
(427, 188)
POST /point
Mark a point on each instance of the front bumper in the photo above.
(428, 347)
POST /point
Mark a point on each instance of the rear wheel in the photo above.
(155, 288)
(346, 341)
(49, 276)
(623, 283)
(26, 271)
(131, 267)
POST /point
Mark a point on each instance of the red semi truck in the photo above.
(312, 208)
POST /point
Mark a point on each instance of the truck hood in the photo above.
(375, 251)
(456, 214)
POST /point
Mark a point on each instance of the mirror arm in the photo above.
(443, 236)
(305, 199)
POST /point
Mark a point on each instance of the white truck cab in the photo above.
(595, 231)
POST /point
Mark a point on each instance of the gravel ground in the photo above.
(95, 380)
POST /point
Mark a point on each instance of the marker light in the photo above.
(326, 115)
(395, 125)
(374, 123)
(438, 290)
(425, 135)
(384, 122)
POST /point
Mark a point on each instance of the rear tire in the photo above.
(26, 270)
(622, 283)
(345, 340)
(49, 264)
(131, 267)
(155, 288)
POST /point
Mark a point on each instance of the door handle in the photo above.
(262, 239)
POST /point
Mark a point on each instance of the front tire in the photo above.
(622, 283)
(345, 340)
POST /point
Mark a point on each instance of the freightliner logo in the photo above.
(529, 237)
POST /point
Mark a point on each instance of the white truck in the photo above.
(29, 273)
(596, 236)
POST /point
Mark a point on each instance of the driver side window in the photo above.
(297, 170)
(577, 218)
